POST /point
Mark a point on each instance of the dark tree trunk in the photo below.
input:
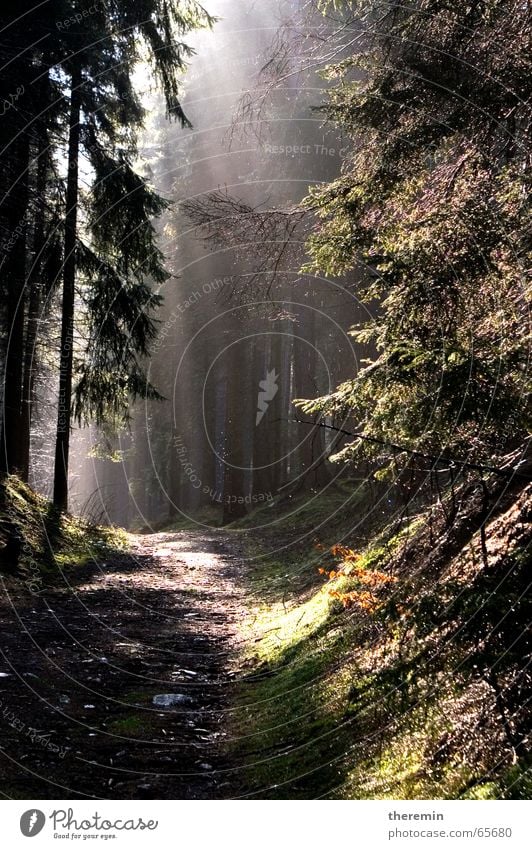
(263, 470)
(234, 504)
(285, 392)
(313, 471)
(276, 411)
(173, 479)
(67, 321)
(15, 271)
(34, 305)
(209, 416)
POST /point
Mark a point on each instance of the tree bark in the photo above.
(312, 471)
(62, 444)
(234, 504)
(263, 476)
(34, 305)
(17, 203)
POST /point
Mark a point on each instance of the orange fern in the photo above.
(370, 580)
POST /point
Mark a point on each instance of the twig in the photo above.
(452, 461)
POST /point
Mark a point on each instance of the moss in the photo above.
(347, 703)
(516, 783)
(291, 709)
(287, 724)
(136, 697)
(132, 725)
(484, 792)
(48, 541)
(209, 516)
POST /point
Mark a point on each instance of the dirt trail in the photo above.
(82, 665)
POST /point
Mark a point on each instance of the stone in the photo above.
(171, 699)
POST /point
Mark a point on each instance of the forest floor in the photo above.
(328, 649)
(81, 665)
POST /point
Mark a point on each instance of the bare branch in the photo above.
(277, 236)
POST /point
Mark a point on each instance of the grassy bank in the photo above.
(37, 542)
(400, 669)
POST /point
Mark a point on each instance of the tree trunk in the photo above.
(234, 504)
(62, 444)
(35, 289)
(263, 453)
(312, 471)
(17, 202)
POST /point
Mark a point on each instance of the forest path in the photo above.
(84, 663)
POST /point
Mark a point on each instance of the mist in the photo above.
(240, 335)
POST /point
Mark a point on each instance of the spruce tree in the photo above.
(433, 203)
(101, 55)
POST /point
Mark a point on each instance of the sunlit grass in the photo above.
(279, 628)
(337, 703)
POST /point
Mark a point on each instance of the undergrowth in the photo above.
(397, 668)
(37, 542)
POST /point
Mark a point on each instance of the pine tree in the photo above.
(29, 112)
(433, 203)
(106, 46)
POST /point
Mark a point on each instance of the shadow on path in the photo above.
(80, 668)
